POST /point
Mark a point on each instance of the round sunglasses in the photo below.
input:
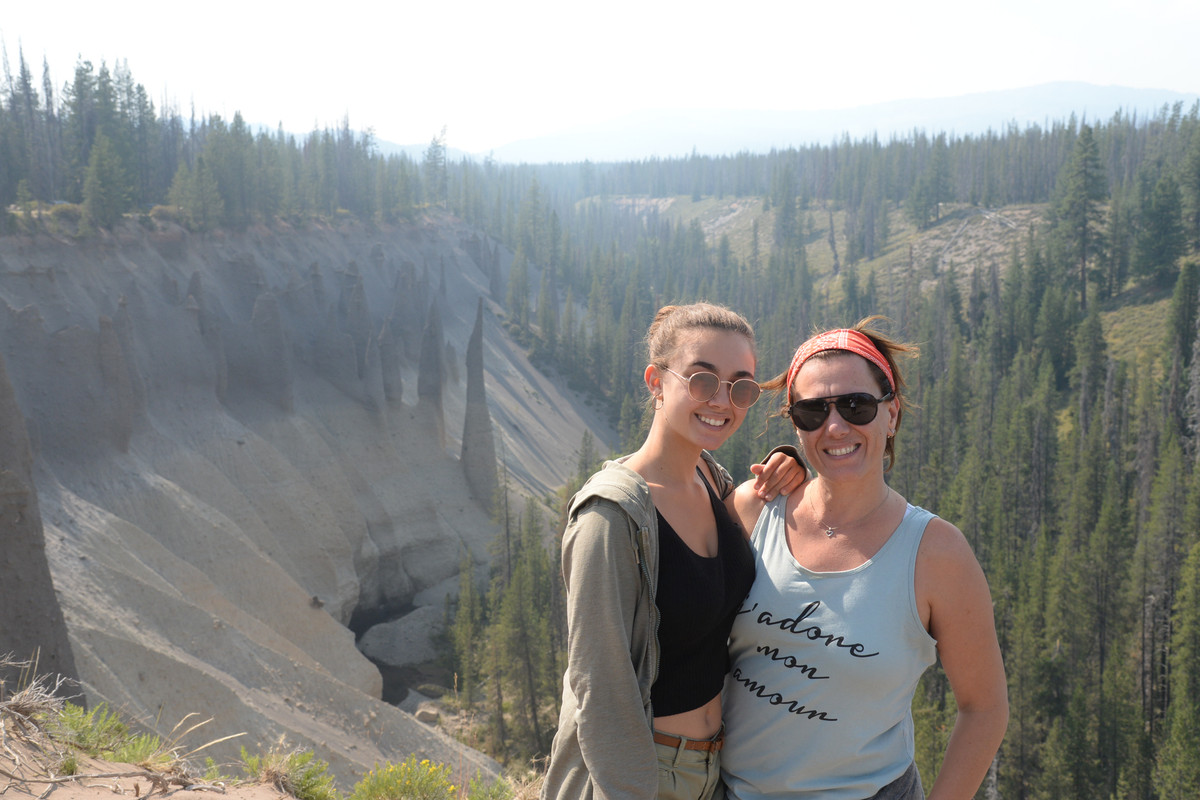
(703, 386)
(857, 408)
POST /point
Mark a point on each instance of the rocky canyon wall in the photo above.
(217, 451)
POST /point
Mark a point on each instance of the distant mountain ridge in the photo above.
(675, 133)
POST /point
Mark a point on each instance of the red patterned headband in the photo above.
(840, 339)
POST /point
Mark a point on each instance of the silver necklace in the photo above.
(830, 530)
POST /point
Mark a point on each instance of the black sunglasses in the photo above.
(857, 408)
(703, 386)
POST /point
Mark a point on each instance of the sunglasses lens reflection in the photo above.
(744, 393)
(703, 386)
(857, 408)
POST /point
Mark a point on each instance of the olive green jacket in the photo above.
(604, 746)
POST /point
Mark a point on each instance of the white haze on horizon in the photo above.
(497, 73)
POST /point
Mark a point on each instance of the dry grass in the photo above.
(38, 757)
(292, 771)
(33, 697)
(52, 748)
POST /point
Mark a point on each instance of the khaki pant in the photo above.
(688, 774)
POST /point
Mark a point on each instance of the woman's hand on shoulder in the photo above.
(780, 473)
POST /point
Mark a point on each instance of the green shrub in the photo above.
(299, 773)
(144, 749)
(166, 214)
(480, 789)
(69, 765)
(411, 780)
(66, 212)
(96, 732)
(212, 771)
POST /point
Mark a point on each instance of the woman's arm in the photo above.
(781, 472)
(603, 582)
(955, 604)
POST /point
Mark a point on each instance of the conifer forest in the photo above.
(1057, 391)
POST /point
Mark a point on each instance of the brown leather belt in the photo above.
(709, 745)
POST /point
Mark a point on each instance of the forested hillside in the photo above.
(1049, 274)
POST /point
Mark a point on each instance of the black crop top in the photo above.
(697, 600)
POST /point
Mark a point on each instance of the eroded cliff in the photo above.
(228, 447)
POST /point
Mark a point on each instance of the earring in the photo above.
(658, 401)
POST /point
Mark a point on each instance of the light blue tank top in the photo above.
(823, 669)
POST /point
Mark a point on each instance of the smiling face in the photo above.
(708, 423)
(838, 448)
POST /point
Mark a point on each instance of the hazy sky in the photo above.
(495, 72)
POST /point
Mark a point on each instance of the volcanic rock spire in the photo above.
(33, 620)
(430, 372)
(478, 448)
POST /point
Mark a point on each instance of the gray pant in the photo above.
(906, 787)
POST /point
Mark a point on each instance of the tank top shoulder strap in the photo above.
(912, 527)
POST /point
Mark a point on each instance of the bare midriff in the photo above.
(699, 723)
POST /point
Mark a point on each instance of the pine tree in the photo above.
(1090, 367)
(1189, 185)
(589, 459)
(1160, 239)
(1029, 665)
(547, 317)
(435, 169)
(938, 175)
(1185, 311)
(632, 424)
(517, 299)
(1156, 566)
(568, 350)
(105, 190)
(524, 642)
(467, 632)
(1081, 189)
(785, 209)
(1104, 571)
(1177, 773)
(197, 196)
(1114, 261)
(918, 206)
(1191, 404)
(532, 228)
(79, 128)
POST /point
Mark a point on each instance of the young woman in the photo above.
(655, 569)
(856, 593)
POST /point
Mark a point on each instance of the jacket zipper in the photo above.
(644, 535)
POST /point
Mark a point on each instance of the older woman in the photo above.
(856, 593)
